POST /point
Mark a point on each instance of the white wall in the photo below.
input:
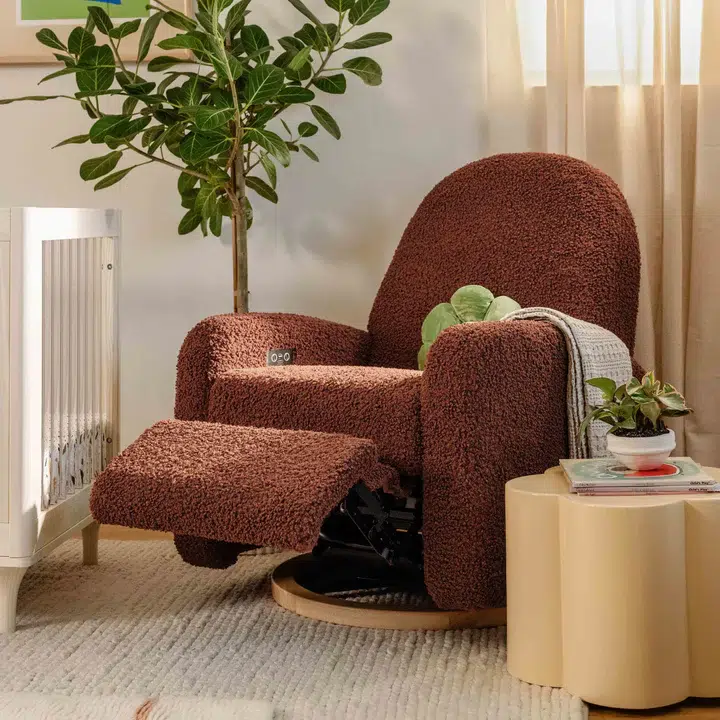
(324, 249)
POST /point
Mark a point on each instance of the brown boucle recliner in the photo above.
(547, 230)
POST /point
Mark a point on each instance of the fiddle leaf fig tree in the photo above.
(216, 118)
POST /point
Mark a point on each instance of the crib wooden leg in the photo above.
(90, 535)
(10, 579)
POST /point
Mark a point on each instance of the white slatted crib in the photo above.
(58, 381)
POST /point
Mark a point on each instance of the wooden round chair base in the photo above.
(290, 591)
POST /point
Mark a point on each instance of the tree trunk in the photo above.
(241, 291)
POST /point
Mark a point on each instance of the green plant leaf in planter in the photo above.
(270, 142)
(48, 38)
(300, 59)
(652, 411)
(197, 147)
(307, 129)
(163, 62)
(291, 94)
(236, 17)
(261, 188)
(101, 19)
(326, 120)
(75, 140)
(439, 318)
(310, 153)
(369, 40)
(255, 39)
(148, 35)
(422, 356)
(333, 84)
(270, 169)
(210, 118)
(80, 40)
(125, 29)
(500, 307)
(113, 178)
(96, 70)
(606, 385)
(190, 221)
(263, 83)
(340, 5)
(365, 10)
(97, 167)
(366, 69)
(472, 302)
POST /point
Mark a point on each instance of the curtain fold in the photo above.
(610, 90)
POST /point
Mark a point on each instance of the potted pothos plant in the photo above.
(219, 119)
(635, 411)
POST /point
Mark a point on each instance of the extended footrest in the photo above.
(244, 485)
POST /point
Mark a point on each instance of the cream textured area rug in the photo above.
(144, 623)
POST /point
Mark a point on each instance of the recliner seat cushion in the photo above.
(381, 404)
(251, 486)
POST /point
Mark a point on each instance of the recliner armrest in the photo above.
(493, 408)
(225, 342)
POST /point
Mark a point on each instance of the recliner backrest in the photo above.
(547, 230)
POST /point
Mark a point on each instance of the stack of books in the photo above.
(605, 476)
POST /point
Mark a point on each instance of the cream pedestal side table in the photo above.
(616, 599)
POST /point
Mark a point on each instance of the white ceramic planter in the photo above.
(642, 453)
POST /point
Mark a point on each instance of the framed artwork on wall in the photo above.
(21, 19)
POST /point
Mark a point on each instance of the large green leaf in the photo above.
(471, 302)
(369, 40)
(291, 44)
(261, 188)
(301, 58)
(340, 5)
(366, 69)
(263, 84)
(163, 62)
(97, 70)
(333, 84)
(270, 142)
(305, 10)
(439, 318)
(207, 201)
(125, 29)
(326, 120)
(307, 129)
(48, 38)
(183, 42)
(186, 183)
(148, 35)
(101, 19)
(191, 221)
(365, 10)
(255, 40)
(75, 140)
(236, 17)
(211, 118)
(112, 125)
(97, 167)
(607, 387)
(80, 40)
(113, 178)
(295, 94)
(197, 147)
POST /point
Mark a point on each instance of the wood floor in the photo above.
(695, 709)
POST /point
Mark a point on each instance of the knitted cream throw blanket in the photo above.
(592, 352)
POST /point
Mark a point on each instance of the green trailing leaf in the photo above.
(95, 168)
(300, 59)
(263, 84)
(101, 19)
(307, 129)
(48, 38)
(291, 94)
(500, 307)
(363, 11)
(333, 84)
(261, 188)
(270, 169)
(211, 118)
(606, 386)
(190, 222)
(326, 120)
(340, 5)
(439, 318)
(97, 70)
(197, 147)
(302, 8)
(366, 69)
(270, 142)
(255, 40)
(113, 178)
(310, 153)
(75, 140)
(471, 303)
(236, 17)
(125, 29)
(368, 41)
(163, 62)
(148, 35)
(80, 40)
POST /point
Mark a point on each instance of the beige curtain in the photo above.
(606, 81)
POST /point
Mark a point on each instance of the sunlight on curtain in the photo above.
(618, 41)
